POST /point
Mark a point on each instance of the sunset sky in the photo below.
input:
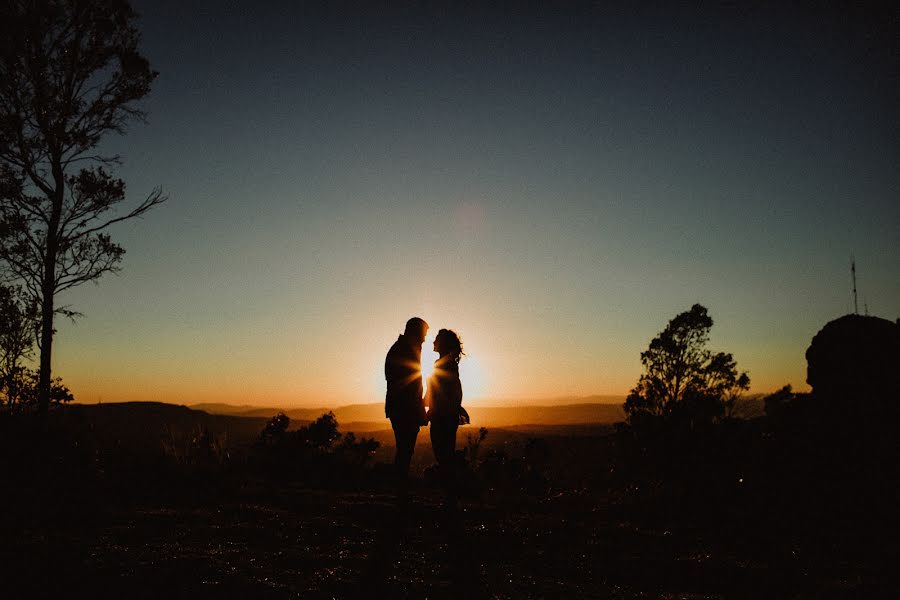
(554, 187)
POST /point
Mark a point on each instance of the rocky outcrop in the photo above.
(855, 356)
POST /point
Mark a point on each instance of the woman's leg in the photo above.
(439, 442)
(443, 443)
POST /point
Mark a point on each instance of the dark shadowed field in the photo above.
(161, 528)
(300, 543)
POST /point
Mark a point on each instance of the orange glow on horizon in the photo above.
(332, 363)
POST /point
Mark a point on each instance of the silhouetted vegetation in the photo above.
(197, 447)
(499, 471)
(682, 379)
(315, 454)
(679, 424)
(20, 390)
(811, 477)
(70, 75)
(18, 383)
(473, 444)
(792, 501)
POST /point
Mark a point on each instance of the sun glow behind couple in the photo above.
(470, 372)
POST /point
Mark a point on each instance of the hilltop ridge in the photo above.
(371, 416)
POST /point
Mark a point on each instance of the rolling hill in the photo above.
(370, 417)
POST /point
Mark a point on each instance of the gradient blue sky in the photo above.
(554, 185)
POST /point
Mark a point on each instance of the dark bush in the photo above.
(315, 454)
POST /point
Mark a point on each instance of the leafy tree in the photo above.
(273, 433)
(355, 452)
(682, 378)
(70, 74)
(320, 434)
(18, 384)
(17, 323)
(20, 389)
(316, 452)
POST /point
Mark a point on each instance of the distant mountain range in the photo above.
(140, 425)
(572, 411)
(368, 417)
(246, 421)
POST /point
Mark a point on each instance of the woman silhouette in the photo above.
(444, 401)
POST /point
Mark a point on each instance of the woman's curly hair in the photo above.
(448, 343)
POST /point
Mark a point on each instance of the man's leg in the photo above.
(405, 434)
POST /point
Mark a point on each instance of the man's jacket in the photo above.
(403, 372)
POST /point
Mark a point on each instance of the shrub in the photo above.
(316, 454)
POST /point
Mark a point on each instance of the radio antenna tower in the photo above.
(853, 275)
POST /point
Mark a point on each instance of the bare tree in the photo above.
(70, 73)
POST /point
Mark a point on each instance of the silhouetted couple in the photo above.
(441, 406)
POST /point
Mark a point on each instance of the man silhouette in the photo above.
(403, 403)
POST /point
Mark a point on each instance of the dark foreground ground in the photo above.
(288, 542)
(139, 502)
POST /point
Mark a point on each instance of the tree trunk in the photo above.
(48, 290)
(46, 342)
